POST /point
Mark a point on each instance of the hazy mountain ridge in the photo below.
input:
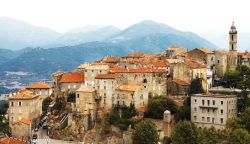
(146, 36)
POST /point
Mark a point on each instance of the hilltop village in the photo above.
(81, 101)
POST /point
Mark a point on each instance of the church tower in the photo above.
(232, 55)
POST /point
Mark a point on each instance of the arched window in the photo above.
(145, 81)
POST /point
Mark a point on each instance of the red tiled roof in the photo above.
(179, 103)
(181, 82)
(137, 118)
(38, 85)
(182, 54)
(140, 70)
(107, 76)
(134, 55)
(194, 64)
(241, 53)
(72, 78)
(205, 50)
(160, 64)
(142, 109)
(9, 140)
(111, 59)
(24, 121)
(23, 94)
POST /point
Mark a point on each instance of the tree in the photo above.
(232, 124)
(46, 103)
(71, 97)
(145, 132)
(4, 126)
(158, 105)
(240, 136)
(59, 104)
(195, 87)
(185, 132)
(231, 78)
(245, 119)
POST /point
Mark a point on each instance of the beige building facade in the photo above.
(213, 109)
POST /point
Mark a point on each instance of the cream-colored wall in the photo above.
(85, 102)
(106, 89)
(90, 74)
(138, 98)
(43, 92)
(229, 108)
(70, 86)
(220, 64)
(184, 72)
(21, 131)
(30, 109)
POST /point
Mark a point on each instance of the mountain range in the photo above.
(50, 51)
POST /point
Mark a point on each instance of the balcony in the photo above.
(209, 106)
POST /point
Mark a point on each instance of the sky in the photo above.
(205, 17)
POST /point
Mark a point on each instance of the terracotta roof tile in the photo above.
(160, 64)
(194, 64)
(182, 54)
(205, 50)
(181, 82)
(24, 121)
(134, 55)
(221, 52)
(107, 76)
(130, 88)
(142, 109)
(111, 59)
(241, 53)
(38, 85)
(140, 70)
(10, 140)
(23, 94)
(72, 78)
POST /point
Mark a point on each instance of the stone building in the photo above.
(86, 100)
(177, 87)
(70, 82)
(133, 56)
(56, 77)
(131, 94)
(172, 51)
(190, 70)
(92, 71)
(202, 55)
(212, 109)
(153, 79)
(22, 129)
(24, 105)
(40, 88)
(232, 54)
(105, 86)
(220, 63)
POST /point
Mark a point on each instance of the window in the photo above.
(195, 100)
(203, 119)
(19, 103)
(208, 110)
(104, 87)
(213, 102)
(12, 103)
(208, 119)
(208, 102)
(213, 110)
(213, 121)
(78, 96)
(104, 100)
(221, 111)
(221, 120)
(203, 102)
(218, 61)
(221, 102)
(195, 109)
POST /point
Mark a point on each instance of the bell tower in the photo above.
(232, 55)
